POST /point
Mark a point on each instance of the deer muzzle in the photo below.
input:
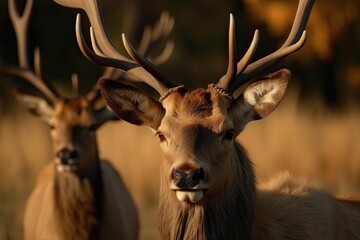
(67, 160)
(187, 185)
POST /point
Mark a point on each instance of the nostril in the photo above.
(179, 178)
(178, 174)
(74, 154)
(196, 175)
(65, 155)
(188, 180)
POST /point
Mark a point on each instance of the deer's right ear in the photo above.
(36, 105)
(131, 104)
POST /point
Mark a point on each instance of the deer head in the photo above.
(74, 121)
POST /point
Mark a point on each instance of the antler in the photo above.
(24, 70)
(240, 73)
(151, 37)
(106, 53)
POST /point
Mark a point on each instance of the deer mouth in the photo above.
(190, 195)
(71, 165)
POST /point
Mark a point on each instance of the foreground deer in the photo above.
(77, 196)
(207, 182)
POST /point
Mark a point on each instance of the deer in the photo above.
(208, 186)
(77, 195)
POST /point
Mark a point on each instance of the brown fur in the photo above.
(225, 203)
(289, 208)
(199, 104)
(90, 202)
(215, 218)
(45, 220)
(284, 208)
(75, 203)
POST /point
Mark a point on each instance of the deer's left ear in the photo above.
(260, 98)
(36, 105)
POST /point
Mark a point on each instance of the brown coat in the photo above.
(119, 218)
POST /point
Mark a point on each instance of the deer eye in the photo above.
(161, 136)
(230, 135)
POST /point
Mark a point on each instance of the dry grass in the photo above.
(322, 147)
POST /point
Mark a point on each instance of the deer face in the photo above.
(197, 130)
(73, 124)
(196, 135)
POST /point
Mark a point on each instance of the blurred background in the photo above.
(315, 132)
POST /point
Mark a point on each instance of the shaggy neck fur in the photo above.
(228, 214)
(78, 203)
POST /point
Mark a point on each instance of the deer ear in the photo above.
(36, 105)
(131, 104)
(260, 98)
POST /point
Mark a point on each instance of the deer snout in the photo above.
(188, 182)
(187, 179)
(67, 157)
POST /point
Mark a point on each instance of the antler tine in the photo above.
(30, 77)
(249, 53)
(75, 84)
(41, 83)
(162, 84)
(152, 36)
(294, 42)
(301, 18)
(99, 58)
(148, 42)
(93, 11)
(145, 40)
(151, 77)
(165, 54)
(94, 94)
(232, 66)
(95, 44)
(164, 26)
(229, 77)
(161, 30)
(20, 24)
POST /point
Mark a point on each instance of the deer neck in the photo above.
(227, 215)
(78, 200)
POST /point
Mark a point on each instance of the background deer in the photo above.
(78, 196)
(207, 182)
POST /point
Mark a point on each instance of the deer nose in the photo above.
(189, 179)
(67, 156)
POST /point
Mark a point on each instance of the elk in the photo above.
(207, 182)
(77, 196)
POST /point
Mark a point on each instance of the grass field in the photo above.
(317, 144)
